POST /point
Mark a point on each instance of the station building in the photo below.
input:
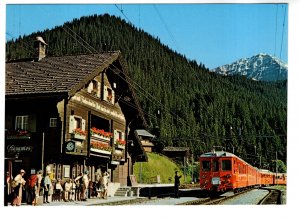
(72, 113)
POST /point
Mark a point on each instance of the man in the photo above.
(177, 184)
(105, 185)
(85, 180)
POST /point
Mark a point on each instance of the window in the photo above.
(205, 165)
(21, 122)
(226, 165)
(53, 122)
(77, 122)
(215, 165)
(119, 135)
(109, 94)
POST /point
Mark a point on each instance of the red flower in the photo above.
(101, 132)
(120, 142)
(100, 146)
(79, 131)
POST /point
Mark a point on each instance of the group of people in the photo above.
(78, 189)
(32, 186)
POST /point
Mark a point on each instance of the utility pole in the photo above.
(43, 152)
(276, 169)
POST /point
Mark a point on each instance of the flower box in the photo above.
(120, 146)
(100, 134)
(78, 136)
(18, 134)
(18, 137)
(96, 136)
(100, 151)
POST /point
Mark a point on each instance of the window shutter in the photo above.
(98, 89)
(123, 136)
(72, 124)
(83, 124)
(105, 93)
(90, 87)
(113, 97)
(115, 136)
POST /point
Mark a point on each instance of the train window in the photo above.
(226, 165)
(215, 165)
(205, 165)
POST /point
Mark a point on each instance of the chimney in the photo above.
(40, 47)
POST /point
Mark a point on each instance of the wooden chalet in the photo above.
(72, 113)
(177, 154)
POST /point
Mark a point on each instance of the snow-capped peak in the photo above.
(259, 67)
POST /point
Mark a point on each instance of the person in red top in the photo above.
(31, 188)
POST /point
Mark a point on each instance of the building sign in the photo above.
(18, 149)
(98, 106)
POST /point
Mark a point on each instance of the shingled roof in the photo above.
(65, 74)
(170, 148)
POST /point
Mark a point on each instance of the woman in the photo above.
(19, 188)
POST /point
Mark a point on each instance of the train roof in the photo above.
(218, 154)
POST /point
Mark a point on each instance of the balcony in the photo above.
(120, 144)
(101, 147)
(100, 134)
(78, 134)
(18, 134)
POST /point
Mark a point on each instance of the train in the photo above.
(222, 171)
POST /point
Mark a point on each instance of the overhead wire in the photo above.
(146, 94)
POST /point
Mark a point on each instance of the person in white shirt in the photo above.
(67, 191)
(85, 180)
(105, 185)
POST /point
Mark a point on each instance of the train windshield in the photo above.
(205, 165)
(226, 165)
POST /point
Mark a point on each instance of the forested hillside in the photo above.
(197, 108)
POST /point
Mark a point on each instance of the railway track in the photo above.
(214, 200)
(274, 197)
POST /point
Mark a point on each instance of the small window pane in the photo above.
(205, 165)
(53, 122)
(21, 123)
(226, 165)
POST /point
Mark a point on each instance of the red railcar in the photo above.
(223, 171)
(280, 179)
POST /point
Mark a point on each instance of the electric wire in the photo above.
(132, 81)
(144, 94)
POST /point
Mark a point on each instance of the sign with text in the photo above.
(19, 149)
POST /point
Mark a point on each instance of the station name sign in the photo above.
(18, 149)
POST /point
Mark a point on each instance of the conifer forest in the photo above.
(184, 103)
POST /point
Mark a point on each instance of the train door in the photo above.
(215, 181)
(205, 173)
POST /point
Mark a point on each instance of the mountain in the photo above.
(261, 67)
(198, 109)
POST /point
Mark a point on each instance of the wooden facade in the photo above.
(72, 113)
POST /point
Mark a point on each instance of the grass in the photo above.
(157, 165)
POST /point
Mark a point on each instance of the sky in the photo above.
(212, 34)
